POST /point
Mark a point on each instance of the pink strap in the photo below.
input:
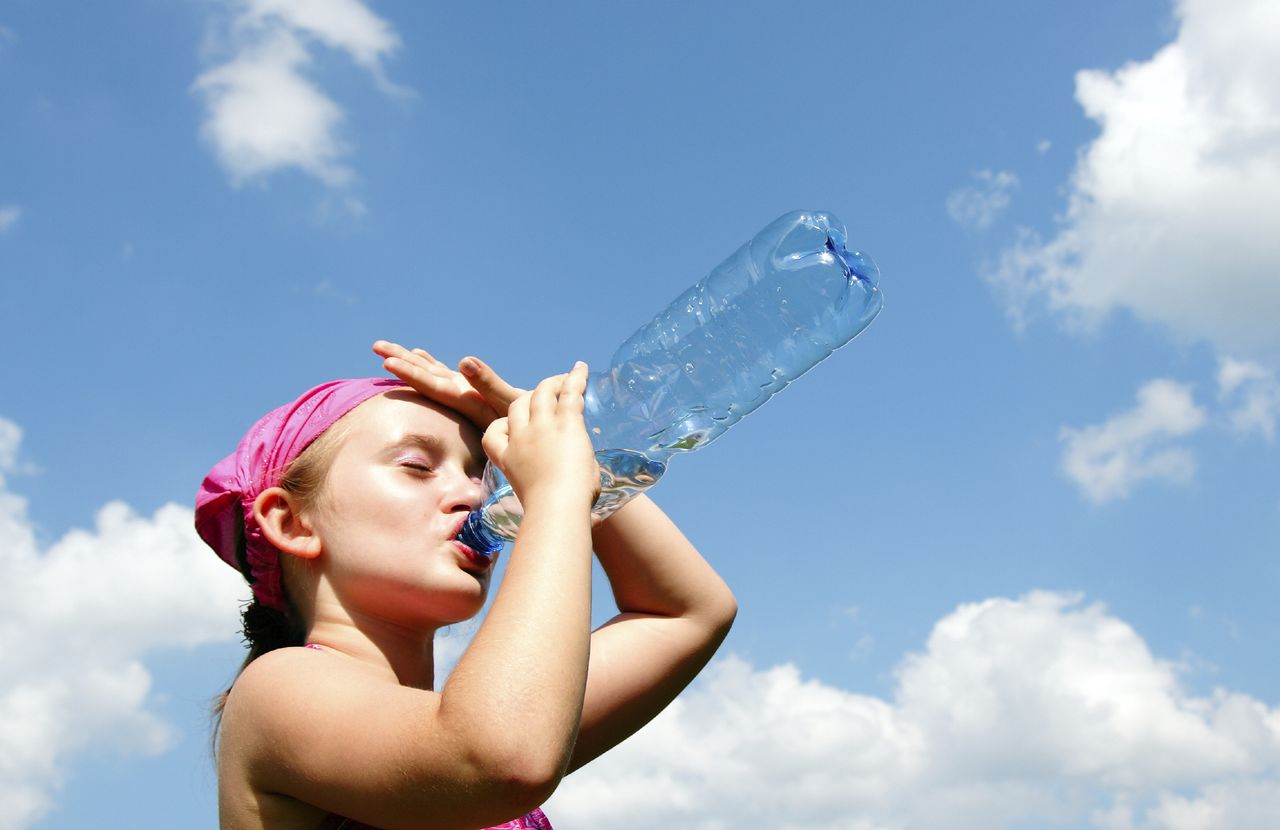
(536, 820)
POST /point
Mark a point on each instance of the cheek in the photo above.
(378, 503)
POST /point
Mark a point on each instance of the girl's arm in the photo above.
(674, 610)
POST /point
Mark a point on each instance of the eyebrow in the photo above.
(429, 443)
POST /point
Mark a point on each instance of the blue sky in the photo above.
(1007, 560)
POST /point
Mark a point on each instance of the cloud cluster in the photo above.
(263, 113)
(1253, 396)
(77, 620)
(1172, 207)
(1017, 713)
(978, 206)
(1108, 459)
(9, 216)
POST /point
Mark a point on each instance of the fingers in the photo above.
(542, 402)
(575, 384)
(385, 348)
(558, 394)
(518, 412)
(412, 366)
(488, 383)
(544, 444)
(495, 440)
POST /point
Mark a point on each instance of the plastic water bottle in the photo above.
(763, 317)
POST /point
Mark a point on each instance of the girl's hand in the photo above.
(542, 445)
(477, 392)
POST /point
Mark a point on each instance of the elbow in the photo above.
(726, 613)
(522, 778)
(724, 608)
(718, 612)
(534, 777)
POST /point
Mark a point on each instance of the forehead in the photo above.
(392, 416)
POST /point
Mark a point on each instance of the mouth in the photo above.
(476, 562)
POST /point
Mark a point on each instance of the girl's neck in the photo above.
(406, 656)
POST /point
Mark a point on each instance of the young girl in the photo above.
(342, 509)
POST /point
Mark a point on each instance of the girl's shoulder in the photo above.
(283, 693)
(276, 671)
(306, 723)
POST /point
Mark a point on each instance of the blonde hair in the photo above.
(267, 629)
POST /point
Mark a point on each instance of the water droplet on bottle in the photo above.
(688, 367)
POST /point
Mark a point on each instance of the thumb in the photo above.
(495, 441)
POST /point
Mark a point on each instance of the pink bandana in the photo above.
(224, 505)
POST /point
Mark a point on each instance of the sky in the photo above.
(1008, 560)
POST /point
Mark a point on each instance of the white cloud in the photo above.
(1253, 392)
(263, 113)
(1018, 713)
(10, 442)
(76, 623)
(9, 216)
(348, 25)
(1107, 460)
(1172, 208)
(978, 206)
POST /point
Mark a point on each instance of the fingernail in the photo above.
(468, 366)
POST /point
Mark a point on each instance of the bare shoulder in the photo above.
(308, 732)
(282, 673)
(293, 694)
(261, 714)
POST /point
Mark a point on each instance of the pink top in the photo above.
(533, 821)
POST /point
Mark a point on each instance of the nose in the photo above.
(464, 493)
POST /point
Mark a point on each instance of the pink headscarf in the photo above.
(224, 505)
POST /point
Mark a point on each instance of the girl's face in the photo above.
(401, 483)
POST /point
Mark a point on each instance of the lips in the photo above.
(477, 561)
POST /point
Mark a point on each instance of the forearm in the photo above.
(675, 611)
(525, 670)
(654, 570)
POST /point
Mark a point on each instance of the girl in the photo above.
(342, 509)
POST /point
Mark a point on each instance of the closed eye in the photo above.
(418, 465)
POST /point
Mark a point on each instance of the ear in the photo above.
(276, 512)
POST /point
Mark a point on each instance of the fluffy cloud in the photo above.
(977, 206)
(1017, 713)
(1253, 395)
(1107, 460)
(77, 621)
(9, 216)
(262, 112)
(1172, 207)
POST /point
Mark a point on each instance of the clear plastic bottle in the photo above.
(763, 317)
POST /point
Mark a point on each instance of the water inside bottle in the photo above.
(624, 474)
